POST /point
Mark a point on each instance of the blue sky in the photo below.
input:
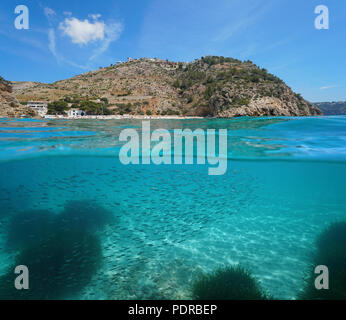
(66, 38)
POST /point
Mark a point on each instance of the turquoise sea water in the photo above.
(159, 227)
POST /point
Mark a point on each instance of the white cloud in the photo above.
(60, 59)
(49, 12)
(51, 45)
(82, 31)
(112, 33)
(241, 19)
(328, 87)
(94, 16)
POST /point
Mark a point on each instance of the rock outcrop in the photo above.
(9, 105)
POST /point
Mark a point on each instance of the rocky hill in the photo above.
(211, 86)
(9, 105)
(332, 108)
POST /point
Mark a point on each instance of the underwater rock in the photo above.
(229, 283)
(84, 215)
(331, 252)
(59, 266)
(25, 228)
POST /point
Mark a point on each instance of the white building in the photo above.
(40, 107)
(76, 113)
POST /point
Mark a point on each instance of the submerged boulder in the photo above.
(59, 266)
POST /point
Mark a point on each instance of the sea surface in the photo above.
(156, 228)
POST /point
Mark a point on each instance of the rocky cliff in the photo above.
(9, 105)
(211, 86)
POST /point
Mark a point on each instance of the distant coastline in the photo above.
(332, 108)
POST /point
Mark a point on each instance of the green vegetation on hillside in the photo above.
(90, 107)
(235, 71)
(94, 108)
(2, 80)
(57, 107)
(236, 82)
(213, 60)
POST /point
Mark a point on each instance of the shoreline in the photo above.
(120, 117)
(153, 117)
